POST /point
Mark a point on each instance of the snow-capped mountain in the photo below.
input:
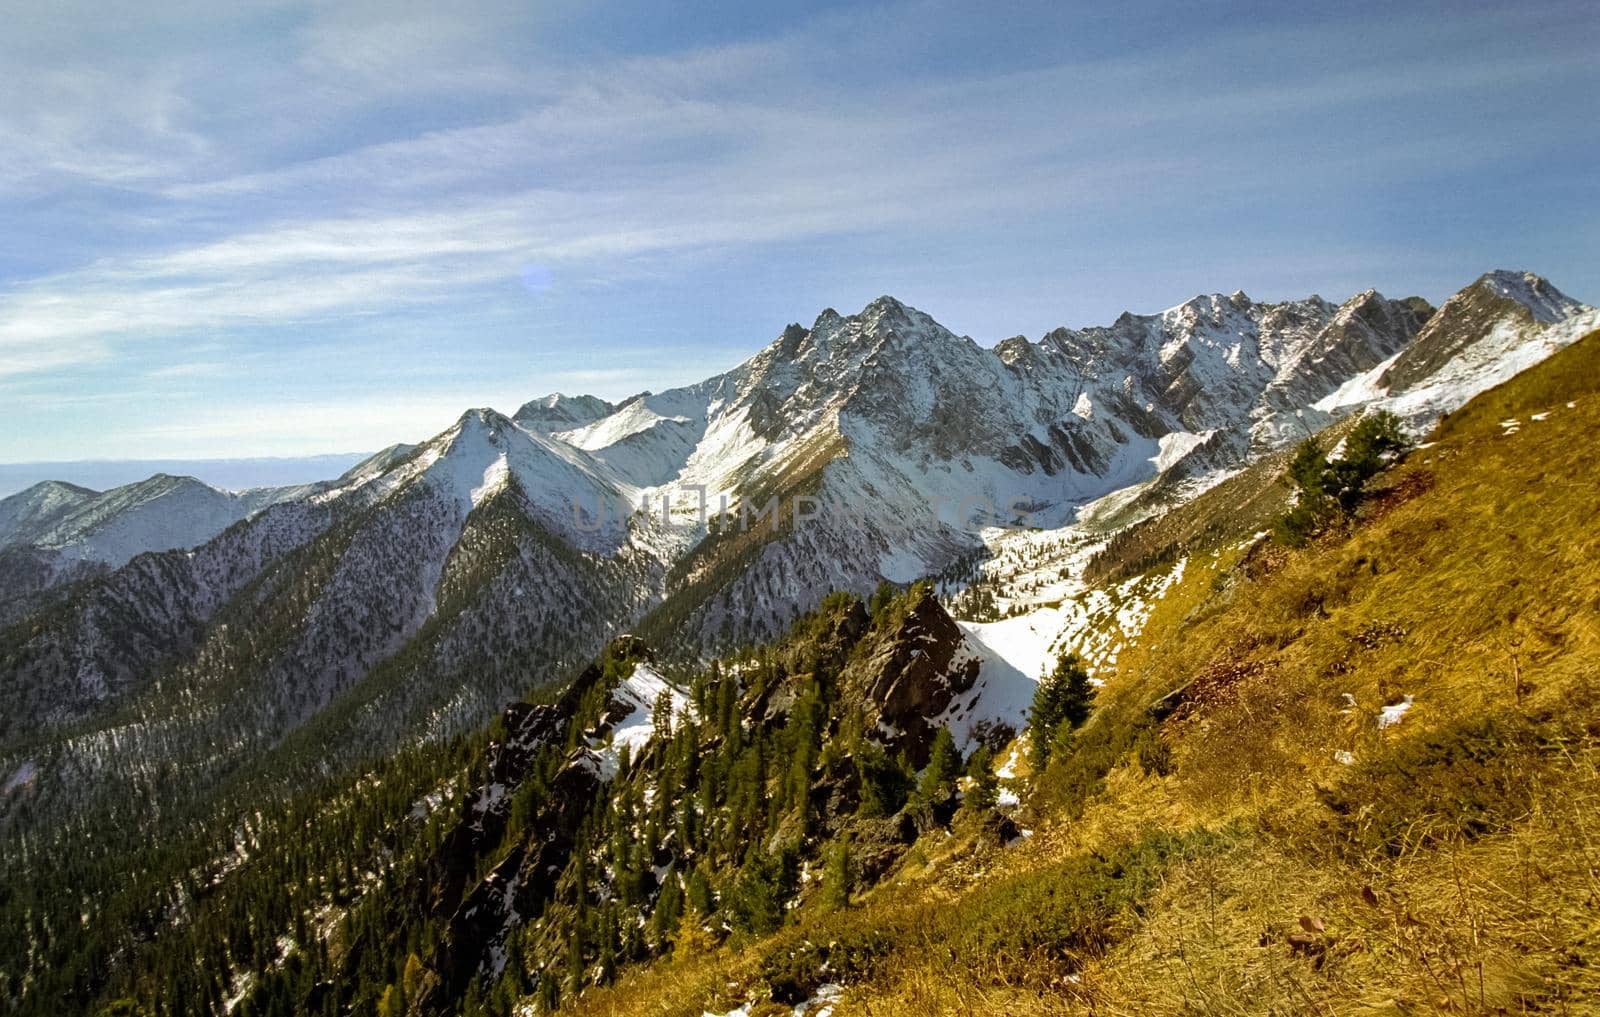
(483, 454)
(557, 412)
(912, 439)
(431, 582)
(1502, 324)
(157, 514)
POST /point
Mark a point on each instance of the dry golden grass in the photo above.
(1449, 863)
(1496, 925)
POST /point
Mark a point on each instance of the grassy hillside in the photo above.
(1356, 778)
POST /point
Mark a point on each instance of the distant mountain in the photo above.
(238, 474)
(152, 515)
(27, 516)
(557, 412)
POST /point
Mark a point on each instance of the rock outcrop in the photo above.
(910, 670)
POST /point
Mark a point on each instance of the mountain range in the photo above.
(883, 528)
(880, 445)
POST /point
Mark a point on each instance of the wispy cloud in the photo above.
(268, 180)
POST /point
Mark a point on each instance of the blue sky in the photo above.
(290, 228)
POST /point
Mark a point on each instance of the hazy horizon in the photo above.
(235, 474)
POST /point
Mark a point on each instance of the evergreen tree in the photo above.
(575, 965)
(884, 784)
(838, 875)
(944, 765)
(728, 708)
(1326, 490)
(691, 938)
(1062, 702)
(757, 899)
(1372, 443)
(698, 895)
(661, 717)
(984, 789)
(669, 909)
(607, 968)
(548, 993)
(411, 980)
(882, 597)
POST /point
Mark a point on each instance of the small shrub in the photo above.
(1464, 782)
(1036, 926)
(852, 952)
(1327, 491)
(1155, 755)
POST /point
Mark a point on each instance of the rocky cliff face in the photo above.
(1498, 301)
(1362, 333)
(896, 674)
(907, 673)
(481, 914)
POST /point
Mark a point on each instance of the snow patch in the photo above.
(1392, 714)
(901, 565)
(640, 691)
(1176, 445)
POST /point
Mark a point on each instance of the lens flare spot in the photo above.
(535, 278)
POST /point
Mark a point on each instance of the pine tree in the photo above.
(757, 898)
(839, 875)
(691, 937)
(661, 716)
(669, 909)
(575, 965)
(1061, 703)
(1369, 447)
(548, 994)
(882, 597)
(728, 708)
(884, 783)
(944, 765)
(984, 789)
(411, 980)
(608, 944)
(1308, 475)
(698, 895)
(1325, 490)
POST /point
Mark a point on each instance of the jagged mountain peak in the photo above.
(1213, 307)
(884, 304)
(1492, 319)
(560, 412)
(890, 409)
(482, 419)
(882, 321)
(1542, 300)
(1372, 306)
(485, 452)
(795, 378)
